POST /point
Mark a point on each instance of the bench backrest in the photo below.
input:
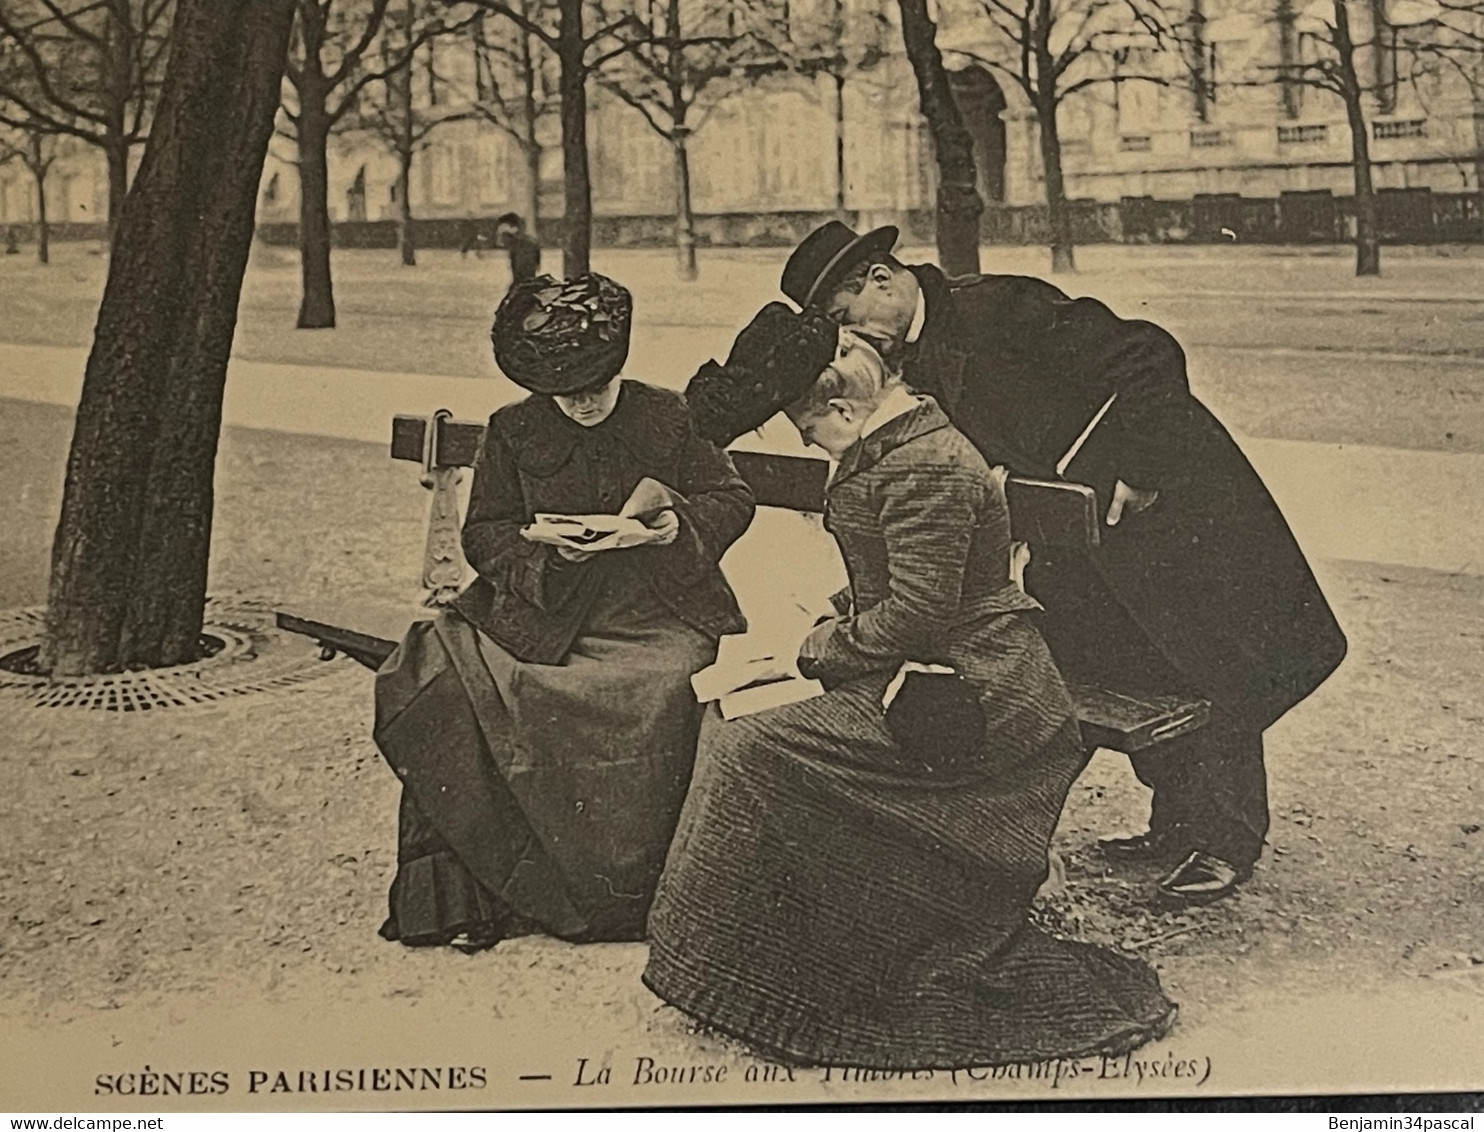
(1043, 513)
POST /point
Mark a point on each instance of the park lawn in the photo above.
(1283, 342)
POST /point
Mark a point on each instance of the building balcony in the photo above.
(1211, 138)
(1406, 128)
(1296, 135)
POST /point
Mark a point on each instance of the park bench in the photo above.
(1045, 516)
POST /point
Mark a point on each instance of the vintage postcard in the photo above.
(755, 553)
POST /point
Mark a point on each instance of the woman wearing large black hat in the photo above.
(544, 726)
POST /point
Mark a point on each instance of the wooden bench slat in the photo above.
(458, 441)
(795, 483)
(365, 633)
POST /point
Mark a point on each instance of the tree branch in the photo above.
(640, 105)
(499, 8)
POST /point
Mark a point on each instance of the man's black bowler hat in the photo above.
(825, 256)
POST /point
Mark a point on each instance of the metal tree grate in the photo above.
(254, 657)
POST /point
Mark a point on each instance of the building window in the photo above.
(1136, 143)
(443, 181)
(1302, 135)
(1136, 89)
(491, 164)
(1209, 139)
(1383, 131)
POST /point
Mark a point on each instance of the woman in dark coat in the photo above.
(544, 727)
(836, 896)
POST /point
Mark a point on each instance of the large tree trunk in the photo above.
(577, 191)
(685, 219)
(116, 152)
(530, 146)
(1367, 220)
(1059, 213)
(959, 204)
(317, 300)
(531, 150)
(119, 81)
(128, 580)
(405, 243)
(43, 226)
(839, 80)
(1288, 56)
(1063, 258)
(1367, 225)
(399, 92)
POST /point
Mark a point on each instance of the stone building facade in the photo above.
(775, 147)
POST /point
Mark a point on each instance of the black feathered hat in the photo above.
(559, 336)
(775, 361)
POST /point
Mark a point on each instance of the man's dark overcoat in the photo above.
(1210, 575)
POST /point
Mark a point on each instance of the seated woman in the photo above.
(836, 895)
(544, 726)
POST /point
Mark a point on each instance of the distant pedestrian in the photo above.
(476, 239)
(525, 252)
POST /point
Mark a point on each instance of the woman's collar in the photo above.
(898, 400)
(921, 417)
(919, 317)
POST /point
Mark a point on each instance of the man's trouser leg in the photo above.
(1212, 782)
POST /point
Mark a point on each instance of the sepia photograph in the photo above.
(625, 554)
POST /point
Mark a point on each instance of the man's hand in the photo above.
(1130, 499)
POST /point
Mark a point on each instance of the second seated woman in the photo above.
(544, 727)
(850, 884)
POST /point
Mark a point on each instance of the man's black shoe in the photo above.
(1201, 879)
(1152, 845)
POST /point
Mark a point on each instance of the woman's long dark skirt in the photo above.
(830, 902)
(537, 797)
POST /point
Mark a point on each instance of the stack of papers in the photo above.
(587, 532)
(743, 682)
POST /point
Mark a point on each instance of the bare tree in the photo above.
(690, 55)
(515, 87)
(129, 562)
(88, 69)
(36, 150)
(327, 72)
(1057, 49)
(1338, 71)
(403, 110)
(959, 205)
(579, 56)
(1359, 51)
(832, 46)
